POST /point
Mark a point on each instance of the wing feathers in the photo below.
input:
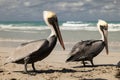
(85, 49)
(25, 50)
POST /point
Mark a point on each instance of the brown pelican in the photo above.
(88, 49)
(31, 52)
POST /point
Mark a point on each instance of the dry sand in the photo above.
(55, 68)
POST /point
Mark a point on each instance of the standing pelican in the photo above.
(31, 52)
(88, 49)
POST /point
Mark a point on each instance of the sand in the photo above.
(54, 67)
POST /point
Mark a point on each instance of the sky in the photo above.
(66, 10)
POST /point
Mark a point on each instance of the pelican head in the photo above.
(52, 21)
(103, 28)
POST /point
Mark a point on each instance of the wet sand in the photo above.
(55, 68)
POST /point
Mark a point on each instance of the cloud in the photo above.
(66, 10)
(27, 4)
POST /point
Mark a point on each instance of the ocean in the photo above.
(13, 33)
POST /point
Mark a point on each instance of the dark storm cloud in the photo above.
(66, 10)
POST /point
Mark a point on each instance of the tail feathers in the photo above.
(75, 58)
(4, 62)
(70, 59)
(8, 60)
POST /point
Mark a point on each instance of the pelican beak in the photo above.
(57, 31)
(106, 41)
(51, 20)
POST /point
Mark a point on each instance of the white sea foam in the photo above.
(71, 25)
(12, 27)
(68, 25)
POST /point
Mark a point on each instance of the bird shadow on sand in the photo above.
(98, 65)
(95, 79)
(64, 70)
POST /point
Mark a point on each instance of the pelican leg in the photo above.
(33, 66)
(25, 64)
(83, 63)
(92, 62)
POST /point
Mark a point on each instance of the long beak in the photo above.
(58, 33)
(106, 41)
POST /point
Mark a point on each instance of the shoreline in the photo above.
(114, 47)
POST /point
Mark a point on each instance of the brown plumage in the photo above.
(31, 52)
(88, 49)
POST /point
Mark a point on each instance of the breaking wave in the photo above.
(90, 26)
(68, 25)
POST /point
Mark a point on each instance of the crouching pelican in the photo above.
(88, 49)
(31, 52)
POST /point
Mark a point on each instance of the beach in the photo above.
(54, 66)
(40, 36)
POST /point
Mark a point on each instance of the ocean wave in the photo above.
(14, 40)
(23, 27)
(75, 23)
(68, 25)
(90, 26)
(79, 28)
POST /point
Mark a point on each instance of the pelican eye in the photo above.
(52, 19)
(103, 27)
